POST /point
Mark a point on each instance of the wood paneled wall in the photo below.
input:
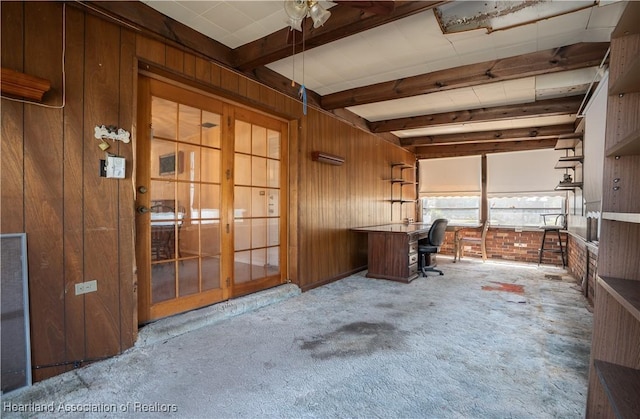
(80, 227)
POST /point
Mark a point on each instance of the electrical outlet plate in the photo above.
(86, 287)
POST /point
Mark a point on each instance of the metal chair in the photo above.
(433, 243)
(558, 224)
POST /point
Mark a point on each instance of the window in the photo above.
(524, 210)
(456, 209)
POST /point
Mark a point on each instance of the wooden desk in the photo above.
(393, 250)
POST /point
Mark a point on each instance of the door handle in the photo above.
(142, 209)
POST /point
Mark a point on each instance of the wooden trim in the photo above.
(17, 84)
(430, 152)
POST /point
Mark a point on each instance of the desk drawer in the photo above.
(413, 269)
(413, 247)
(413, 258)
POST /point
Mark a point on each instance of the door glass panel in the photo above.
(273, 202)
(189, 124)
(273, 259)
(258, 171)
(210, 165)
(258, 202)
(163, 118)
(258, 141)
(242, 169)
(273, 173)
(210, 202)
(210, 273)
(210, 129)
(163, 158)
(259, 232)
(188, 199)
(243, 137)
(273, 144)
(188, 274)
(188, 165)
(273, 231)
(242, 267)
(258, 263)
(163, 285)
(242, 202)
(242, 234)
(210, 237)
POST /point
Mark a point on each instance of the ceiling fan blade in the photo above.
(374, 7)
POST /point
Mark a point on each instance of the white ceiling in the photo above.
(408, 47)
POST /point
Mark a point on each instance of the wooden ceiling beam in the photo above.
(544, 132)
(566, 58)
(549, 107)
(344, 21)
(456, 150)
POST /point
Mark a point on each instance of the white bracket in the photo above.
(112, 133)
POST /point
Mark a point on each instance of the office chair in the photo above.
(434, 241)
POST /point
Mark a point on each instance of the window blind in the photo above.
(523, 173)
(451, 176)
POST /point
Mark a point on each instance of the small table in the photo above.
(393, 250)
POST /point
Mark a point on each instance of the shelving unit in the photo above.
(572, 162)
(398, 178)
(614, 377)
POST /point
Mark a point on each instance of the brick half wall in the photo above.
(509, 244)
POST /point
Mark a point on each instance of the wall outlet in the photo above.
(86, 287)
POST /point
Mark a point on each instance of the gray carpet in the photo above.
(483, 341)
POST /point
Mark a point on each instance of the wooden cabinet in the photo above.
(614, 378)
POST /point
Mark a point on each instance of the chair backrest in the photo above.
(436, 232)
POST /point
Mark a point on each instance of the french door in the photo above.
(210, 194)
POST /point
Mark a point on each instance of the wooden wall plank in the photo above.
(203, 70)
(126, 194)
(72, 187)
(43, 192)
(150, 50)
(102, 56)
(174, 59)
(190, 65)
(11, 152)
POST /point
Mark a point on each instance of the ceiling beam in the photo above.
(344, 21)
(544, 132)
(549, 107)
(455, 150)
(570, 57)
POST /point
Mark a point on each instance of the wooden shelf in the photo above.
(622, 386)
(629, 82)
(625, 291)
(569, 162)
(22, 85)
(402, 181)
(628, 146)
(568, 186)
(567, 143)
(625, 217)
(403, 201)
(402, 165)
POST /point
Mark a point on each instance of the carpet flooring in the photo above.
(486, 340)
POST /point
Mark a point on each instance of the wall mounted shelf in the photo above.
(16, 84)
(628, 146)
(625, 217)
(567, 143)
(401, 181)
(629, 82)
(569, 162)
(568, 186)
